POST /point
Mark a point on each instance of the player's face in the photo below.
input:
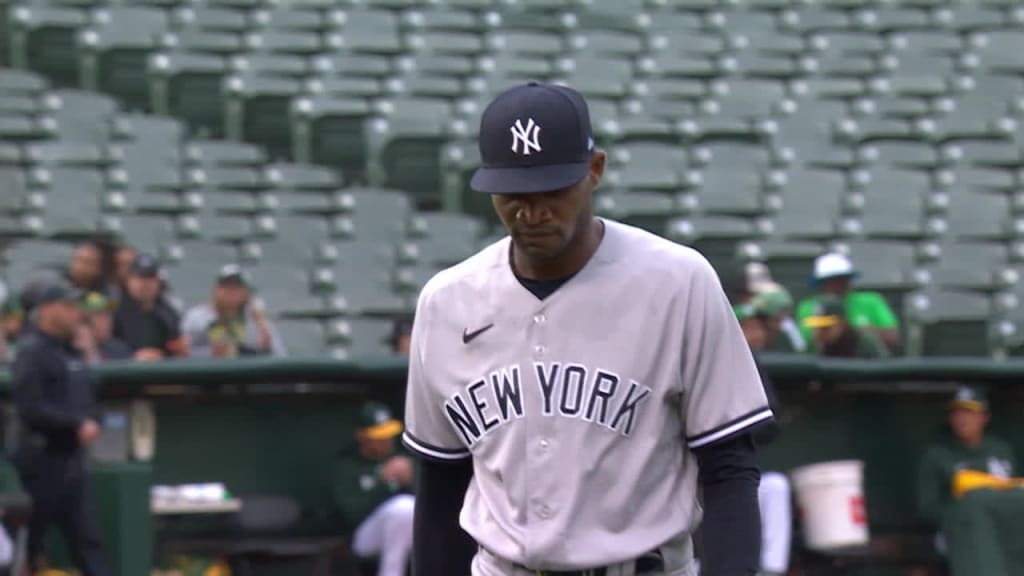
(543, 225)
(376, 448)
(968, 426)
(754, 332)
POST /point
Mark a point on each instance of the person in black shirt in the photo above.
(54, 393)
(144, 320)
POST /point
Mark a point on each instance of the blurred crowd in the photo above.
(837, 320)
(125, 310)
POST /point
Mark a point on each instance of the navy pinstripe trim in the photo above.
(731, 427)
(433, 452)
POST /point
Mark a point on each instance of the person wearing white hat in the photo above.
(833, 276)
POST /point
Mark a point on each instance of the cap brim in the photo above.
(388, 429)
(528, 180)
(821, 321)
(815, 280)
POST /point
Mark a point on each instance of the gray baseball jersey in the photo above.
(575, 408)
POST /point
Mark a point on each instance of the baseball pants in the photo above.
(387, 533)
(776, 522)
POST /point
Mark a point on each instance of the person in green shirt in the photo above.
(834, 335)
(372, 484)
(969, 527)
(833, 276)
(774, 304)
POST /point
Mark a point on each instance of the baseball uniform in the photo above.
(577, 410)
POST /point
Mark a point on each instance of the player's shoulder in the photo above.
(647, 252)
(458, 280)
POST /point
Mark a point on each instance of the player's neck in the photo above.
(569, 262)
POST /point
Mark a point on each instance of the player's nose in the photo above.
(532, 213)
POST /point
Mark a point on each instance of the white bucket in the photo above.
(830, 497)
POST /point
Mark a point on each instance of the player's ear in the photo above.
(597, 167)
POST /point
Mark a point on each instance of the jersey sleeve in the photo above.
(428, 431)
(881, 314)
(723, 394)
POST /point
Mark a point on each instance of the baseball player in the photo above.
(579, 391)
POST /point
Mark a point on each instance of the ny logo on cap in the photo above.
(526, 138)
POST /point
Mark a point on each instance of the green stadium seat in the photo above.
(862, 130)
(948, 322)
(610, 42)
(330, 130)
(369, 30)
(743, 98)
(756, 64)
(976, 177)
(196, 39)
(150, 131)
(707, 44)
(732, 192)
(146, 232)
(212, 153)
(665, 21)
(245, 178)
(771, 42)
(900, 153)
(968, 18)
(300, 234)
(65, 153)
(361, 337)
(20, 127)
(43, 39)
(424, 85)
(351, 65)
(270, 64)
(997, 49)
(303, 338)
(716, 237)
(883, 214)
(189, 86)
(887, 19)
(894, 107)
(74, 199)
(284, 41)
(368, 291)
(257, 110)
(81, 115)
(514, 66)
(27, 257)
(811, 201)
(9, 154)
(372, 214)
(430, 64)
(346, 87)
(296, 178)
(979, 216)
(525, 42)
(971, 265)
(114, 52)
(404, 152)
(210, 18)
(848, 41)
(676, 65)
(882, 265)
(14, 82)
(409, 280)
(444, 238)
(216, 228)
(649, 210)
(982, 153)
(287, 17)
(440, 18)
(355, 255)
(16, 193)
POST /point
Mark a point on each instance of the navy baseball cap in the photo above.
(146, 265)
(534, 138)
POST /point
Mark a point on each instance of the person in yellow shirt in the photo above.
(833, 277)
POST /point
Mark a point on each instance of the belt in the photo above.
(650, 563)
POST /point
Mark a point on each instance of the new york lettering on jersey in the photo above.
(573, 391)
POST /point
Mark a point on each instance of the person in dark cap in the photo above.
(232, 323)
(144, 320)
(401, 333)
(968, 529)
(834, 335)
(54, 394)
(372, 483)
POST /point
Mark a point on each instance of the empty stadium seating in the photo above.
(328, 145)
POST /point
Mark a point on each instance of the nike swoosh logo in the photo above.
(468, 337)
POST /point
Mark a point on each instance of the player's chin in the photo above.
(539, 245)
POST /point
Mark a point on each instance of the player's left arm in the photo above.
(723, 402)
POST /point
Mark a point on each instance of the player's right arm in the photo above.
(34, 395)
(440, 546)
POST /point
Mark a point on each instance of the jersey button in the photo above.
(539, 319)
(538, 351)
(544, 444)
(544, 512)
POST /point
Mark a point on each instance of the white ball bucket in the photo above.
(830, 497)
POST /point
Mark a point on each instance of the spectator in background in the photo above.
(144, 320)
(401, 335)
(834, 335)
(54, 394)
(93, 267)
(833, 277)
(372, 486)
(124, 258)
(975, 532)
(95, 337)
(775, 306)
(232, 324)
(774, 491)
